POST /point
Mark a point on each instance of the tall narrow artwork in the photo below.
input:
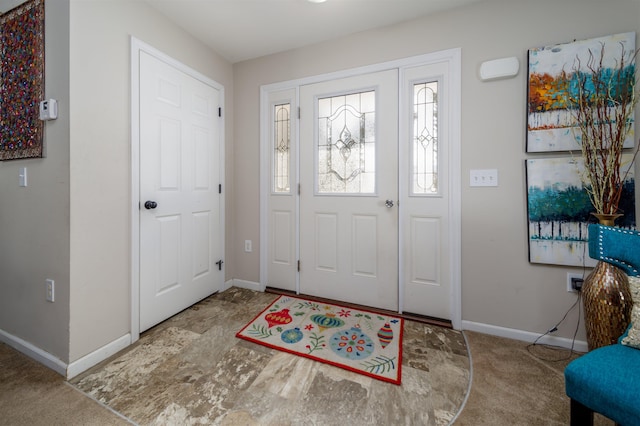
(559, 210)
(21, 80)
(554, 73)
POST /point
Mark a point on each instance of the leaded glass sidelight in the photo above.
(424, 165)
(347, 144)
(281, 148)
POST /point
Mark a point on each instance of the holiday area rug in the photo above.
(361, 341)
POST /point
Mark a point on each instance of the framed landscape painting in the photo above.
(553, 76)
(559, 210)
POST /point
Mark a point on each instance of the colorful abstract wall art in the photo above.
(559, 210)
(553, 75)
(21, 80)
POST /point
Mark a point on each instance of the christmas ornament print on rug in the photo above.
(357, 340)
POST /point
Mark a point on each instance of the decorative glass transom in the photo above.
(281, 145)
(347, 144)
(424, 164)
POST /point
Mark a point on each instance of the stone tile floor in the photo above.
(192, 369)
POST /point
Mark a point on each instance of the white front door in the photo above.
(388, 134)
(349, 189)
(181, 235)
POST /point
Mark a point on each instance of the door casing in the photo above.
(453, 58)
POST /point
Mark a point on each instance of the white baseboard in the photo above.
(97, 356)
(227, 285)
(66, 370)
(249, 285)
(525, 336)
(34, 352)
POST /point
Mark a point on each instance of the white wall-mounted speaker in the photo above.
(499, 68)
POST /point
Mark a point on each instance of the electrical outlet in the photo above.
(247, 246)
(571, 279)
(51, 290)
(576, 284)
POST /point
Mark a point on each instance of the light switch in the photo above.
(485, 177)
(22, 176)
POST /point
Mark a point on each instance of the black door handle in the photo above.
(150, 205)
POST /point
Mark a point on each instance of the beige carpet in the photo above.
(31, 394)
(512, 385)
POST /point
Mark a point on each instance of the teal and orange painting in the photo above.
(555, 73)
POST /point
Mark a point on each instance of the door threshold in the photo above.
(406, 315)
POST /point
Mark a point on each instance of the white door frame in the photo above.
(138, 46)
(453, 57)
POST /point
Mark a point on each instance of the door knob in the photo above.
(388, 203)
(150, 205)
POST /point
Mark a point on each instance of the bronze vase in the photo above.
(607, 300)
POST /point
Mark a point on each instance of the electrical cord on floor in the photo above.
(555, 328)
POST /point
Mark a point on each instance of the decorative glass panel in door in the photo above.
(346, 144)
(281, 146)
(424, 167)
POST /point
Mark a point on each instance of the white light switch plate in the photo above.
(483, 177)
(22, 176)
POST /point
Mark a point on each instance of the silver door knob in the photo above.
(388, 203)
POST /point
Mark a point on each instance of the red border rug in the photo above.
(357, 340)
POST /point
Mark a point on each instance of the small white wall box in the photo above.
(499, 68)
(48, 109)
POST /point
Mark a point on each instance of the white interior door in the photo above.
(181, 235)
(349, 189)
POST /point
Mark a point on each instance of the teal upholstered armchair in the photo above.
(607, 380)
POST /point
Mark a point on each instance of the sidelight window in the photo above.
(282, 148)
(424, 152)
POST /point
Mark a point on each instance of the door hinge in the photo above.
(219, 263)
(298, 189)
(219, 188)
(219, 111)
(298, 266)
(298, 113)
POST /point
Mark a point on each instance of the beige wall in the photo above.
(71, 223)
(34, 221)
(499, 286)
(100, 151)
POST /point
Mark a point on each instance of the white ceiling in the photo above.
(245, 29)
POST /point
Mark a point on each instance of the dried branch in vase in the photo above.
(602, 101)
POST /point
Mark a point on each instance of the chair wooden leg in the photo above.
(580, 414)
